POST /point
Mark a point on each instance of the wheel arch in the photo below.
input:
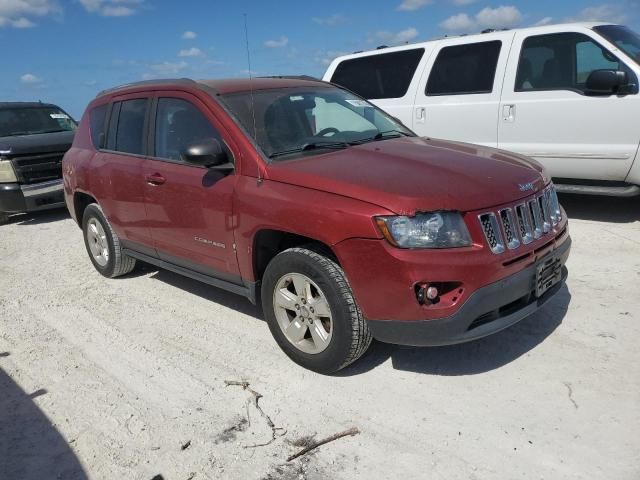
(268, 242)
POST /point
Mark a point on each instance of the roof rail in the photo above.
(293, 77)
(163, 81)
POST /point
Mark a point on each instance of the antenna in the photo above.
(253, 108)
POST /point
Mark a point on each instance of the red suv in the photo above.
(345, 223)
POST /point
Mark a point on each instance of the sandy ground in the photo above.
(124, 379)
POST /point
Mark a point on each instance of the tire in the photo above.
(329, 343)
(4, 218)
(100, 237)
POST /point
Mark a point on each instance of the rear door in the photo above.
(189, 207)
(459, 94)
(547, 114)
(117, 170)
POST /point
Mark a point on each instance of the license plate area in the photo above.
(548, 273)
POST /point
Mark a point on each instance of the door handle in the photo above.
(155, 179)
(420, 114)
(509, 113)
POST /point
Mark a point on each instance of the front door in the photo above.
(189, 207)
(459, 93)
(546, 112)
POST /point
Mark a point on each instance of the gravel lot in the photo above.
(124, 379)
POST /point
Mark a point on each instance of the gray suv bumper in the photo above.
(15, 198)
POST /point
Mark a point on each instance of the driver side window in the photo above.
(562, 61)
(179, 124)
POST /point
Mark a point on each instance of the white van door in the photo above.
(547, 113)
(459, 93)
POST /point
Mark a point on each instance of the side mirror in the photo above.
(606, 82)
(206, 153)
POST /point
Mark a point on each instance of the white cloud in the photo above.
(411, 5)
(330, 21)
(280, 43)
(605, 13)
(30, 79)
(18, 13)
(191, 52)
(500, 17)
(495, 18)
(460, 23)
(189, 35)
(112, 8)
(168, 68)
(403, 36)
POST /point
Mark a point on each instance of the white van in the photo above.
(566, 95)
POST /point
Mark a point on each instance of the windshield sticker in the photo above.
(59, 115)
(357, 102)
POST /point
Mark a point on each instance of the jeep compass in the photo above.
(304, 197)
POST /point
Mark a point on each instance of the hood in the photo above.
(37, 143)
(411, 174)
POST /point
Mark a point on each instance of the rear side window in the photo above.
(97, 120)
(387, 75)
(179, 124)
(464, 69)
(126, 128)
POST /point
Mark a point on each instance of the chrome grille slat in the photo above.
(492, 232)
(536, 217)
(546, 216)
(509, 227)
(524, 220)
(522, 223)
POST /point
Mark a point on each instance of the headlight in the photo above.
(425, 230)
(6, 172)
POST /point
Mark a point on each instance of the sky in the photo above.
(66, 51)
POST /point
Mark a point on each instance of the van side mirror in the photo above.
(606, 82)
(206, 153)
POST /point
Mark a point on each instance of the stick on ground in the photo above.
(256, 396)
(351, 432)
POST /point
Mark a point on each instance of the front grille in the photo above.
(522, 223)
(38, 168)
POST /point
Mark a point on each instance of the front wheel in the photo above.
(311, 311)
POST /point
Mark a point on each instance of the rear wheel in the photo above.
(311, 311)
(103, 244)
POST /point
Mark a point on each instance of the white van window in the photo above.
(562, 61)
(385, 75)
(464, 69)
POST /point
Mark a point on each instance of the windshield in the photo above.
(294, 122)
(33, 120)
(622, 37)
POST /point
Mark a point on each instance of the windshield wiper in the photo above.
(386, 133)
(381, 136)
(311, 146)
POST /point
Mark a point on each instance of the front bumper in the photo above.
(488, 310)
(16, 198)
